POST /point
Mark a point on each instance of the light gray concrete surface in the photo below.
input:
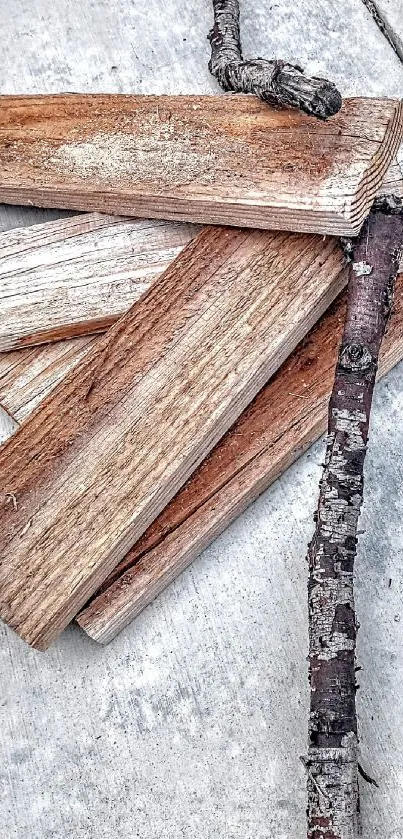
(389, 14)
(191, 723)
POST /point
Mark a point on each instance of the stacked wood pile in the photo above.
(137, 447)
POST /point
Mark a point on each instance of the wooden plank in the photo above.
(225, 159)
(393, 181)
(110, 446)
(277, 427)
(78, 275)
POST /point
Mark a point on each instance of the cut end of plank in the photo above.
(227, 159)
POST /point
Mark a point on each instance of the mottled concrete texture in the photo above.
(389, 14)
(191, 723)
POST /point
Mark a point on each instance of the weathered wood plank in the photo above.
(78, 275)
(110, 446)
(283, 420)
(27, 376)
(393, 181)
(225, 159)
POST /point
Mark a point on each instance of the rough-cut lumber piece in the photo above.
(27, 376)
(229, 159)
(77, 275)
(111, 445)
(283, 420)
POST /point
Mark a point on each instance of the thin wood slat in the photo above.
(78, 275)
(99, 459)
(213, 159)
(27, 376)
(285, 418)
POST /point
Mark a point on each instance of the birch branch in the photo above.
(332, 763)
(276, 81)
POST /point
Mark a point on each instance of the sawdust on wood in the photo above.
(155, 153)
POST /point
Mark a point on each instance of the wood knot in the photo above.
(355, 357)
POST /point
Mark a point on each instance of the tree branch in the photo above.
(276, 82)
(333, 794)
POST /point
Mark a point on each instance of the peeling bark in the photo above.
(276, 82)
(332, 763)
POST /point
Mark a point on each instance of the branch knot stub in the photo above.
(355, 357)
(274, 81)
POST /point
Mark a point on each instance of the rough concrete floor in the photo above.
(191, 723)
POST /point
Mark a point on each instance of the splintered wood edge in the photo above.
(105, 616)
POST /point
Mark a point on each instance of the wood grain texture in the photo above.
(78, 275)
(205, 657)
(28, 376)
(392, 183)
(288, 414)
(111, 445)
(228, 159)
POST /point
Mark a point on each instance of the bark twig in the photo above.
(333, 793)
(276, 82)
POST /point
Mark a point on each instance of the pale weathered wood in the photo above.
(283, 420)
(393, 181)
(78, 275)
(110, 446)
(27, 376)
(197, 740)
(228, 159)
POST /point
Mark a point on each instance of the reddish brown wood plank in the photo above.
(225, 159)
(283, 420)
